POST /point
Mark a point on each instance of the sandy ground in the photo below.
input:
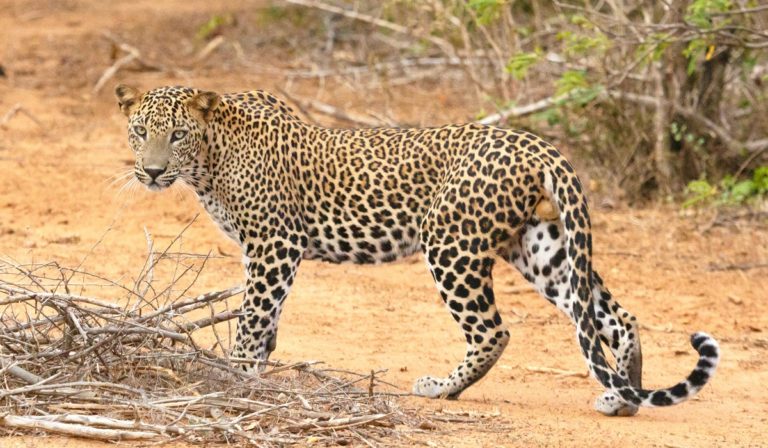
(56, 202)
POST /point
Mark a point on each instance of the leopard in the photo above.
(466, 196)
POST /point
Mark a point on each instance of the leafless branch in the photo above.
(441, 43)
(82, 366)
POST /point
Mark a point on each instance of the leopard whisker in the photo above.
(117, 178)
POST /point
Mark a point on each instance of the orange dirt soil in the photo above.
(56, 203)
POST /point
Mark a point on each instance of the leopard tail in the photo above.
(570, 200)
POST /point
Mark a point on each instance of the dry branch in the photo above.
(331, 111)
(77, 430)
(130, 368)
(132, 54)
(734, 145)
(18, 109)
(736, 266)
(443, 44)
(558, 372)
(18, 372)
(528, 109)
(209, 48)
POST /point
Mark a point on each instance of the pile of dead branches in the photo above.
(132, 368)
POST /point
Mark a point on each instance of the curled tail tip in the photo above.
(709, 357)
(705, 344)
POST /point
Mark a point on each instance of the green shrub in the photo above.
(729, 191)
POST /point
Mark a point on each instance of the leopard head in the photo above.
(166, 130)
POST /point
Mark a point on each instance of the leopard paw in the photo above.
(430, 387)
(611, 405)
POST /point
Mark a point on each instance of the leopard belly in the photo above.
(361, 245)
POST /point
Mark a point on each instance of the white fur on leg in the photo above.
(429, 387)
(611, 405)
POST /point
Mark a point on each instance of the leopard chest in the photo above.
(221, 216)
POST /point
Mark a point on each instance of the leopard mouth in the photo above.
(159, 184)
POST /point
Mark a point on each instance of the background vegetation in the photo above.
(662, 97)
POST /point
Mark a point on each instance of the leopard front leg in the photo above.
(270, 269)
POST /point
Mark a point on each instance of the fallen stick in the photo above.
(402, 64)
(209, 48)
(18, 109)
(736, 267)
(334, 112)
(129, 371)
(559, 372)
(112, 70)
(212, 320)
(453, 419)
(132, 54)
(18, 372)
(67, 389)
(335, 423)
(97, 420)
(646, 100)
(22, 294)
(184, 306)
(15, 421)
(665, 329)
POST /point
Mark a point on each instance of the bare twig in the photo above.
(18, 109)
(113, 69)
(132, 54)
(209, 48)
(137, 373)
(733, 144)
(528, 109)
(78, 430)
(18, 372)
(441, 43)
(736, 266)
(646, 100)
(559, 372)
(327, 109)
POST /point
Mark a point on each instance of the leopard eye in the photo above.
(178, 135)
(141, 131)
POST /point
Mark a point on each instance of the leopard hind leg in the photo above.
(540, 254)
(619, 330)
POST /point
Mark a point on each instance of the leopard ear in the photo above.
(127, 98)
(204, 104)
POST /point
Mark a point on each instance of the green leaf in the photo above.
(700, 12)
(592, 43)
(743, 190)
(487, 10)
(699, 191)
(519, 64)
(728, 182)
(213, 26)
(552, 116)
(695, 49)
(760, 179)
(571, 80)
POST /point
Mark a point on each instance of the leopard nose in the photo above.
(153, 173)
